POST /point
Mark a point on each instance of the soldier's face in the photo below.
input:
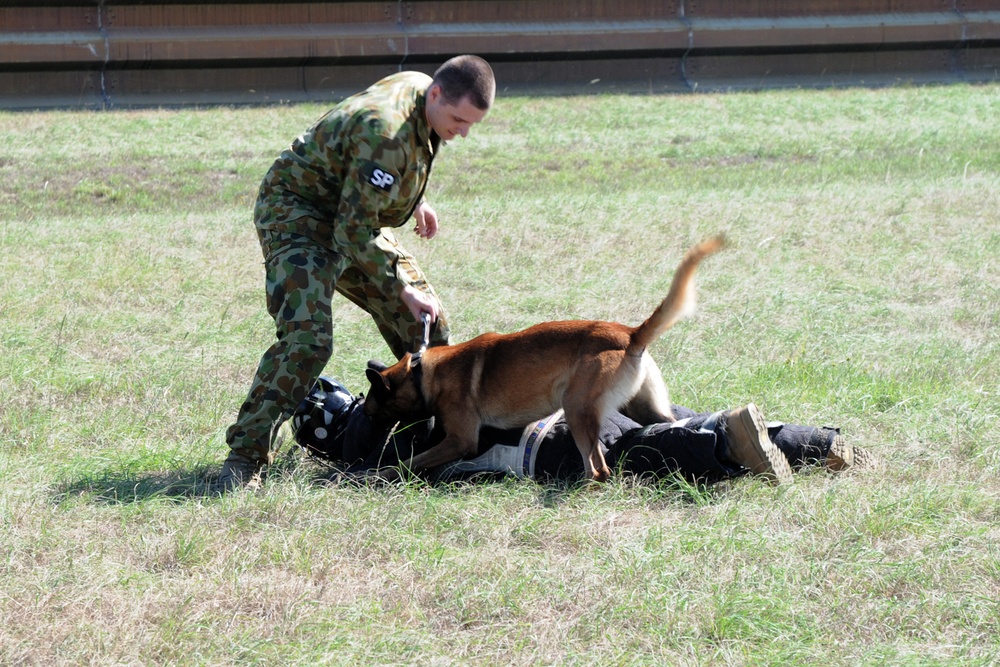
(451, 120)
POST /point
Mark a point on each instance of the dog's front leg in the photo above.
(457, 444)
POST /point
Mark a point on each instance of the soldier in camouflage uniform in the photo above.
(324, 215)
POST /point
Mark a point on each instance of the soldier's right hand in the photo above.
(420, 302)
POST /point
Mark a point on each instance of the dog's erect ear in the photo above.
(379, 383)
(376, 366)
(410, 360)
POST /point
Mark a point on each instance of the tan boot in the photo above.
(239, 471)
(865, 460)
(750, 446)
(841, 455)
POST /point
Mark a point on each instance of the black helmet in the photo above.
(321, 419)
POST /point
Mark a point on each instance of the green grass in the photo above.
(862, 289)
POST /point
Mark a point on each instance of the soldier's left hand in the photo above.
(427, 221)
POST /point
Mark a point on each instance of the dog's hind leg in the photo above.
(651, 402)
(584, 424)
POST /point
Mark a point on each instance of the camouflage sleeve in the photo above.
(369, 201)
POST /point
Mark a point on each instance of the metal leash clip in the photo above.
(425, 341)
(426, 319)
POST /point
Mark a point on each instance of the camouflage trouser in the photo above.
(301, 276)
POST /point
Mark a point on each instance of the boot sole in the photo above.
(768, 460)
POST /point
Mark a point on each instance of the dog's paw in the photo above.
(601, 475)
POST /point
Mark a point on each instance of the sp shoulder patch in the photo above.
(382, 178)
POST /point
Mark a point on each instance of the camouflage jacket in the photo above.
(360, 168)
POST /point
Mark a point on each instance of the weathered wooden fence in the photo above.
(103, 53)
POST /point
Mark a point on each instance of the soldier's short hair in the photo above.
(467, 76)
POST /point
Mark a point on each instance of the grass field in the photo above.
(862, 290)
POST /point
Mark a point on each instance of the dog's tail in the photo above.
(680, 300)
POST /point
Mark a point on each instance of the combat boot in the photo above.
(840, 456)
(865, 460)
(845, 456)
(749, 445)
(240, 471)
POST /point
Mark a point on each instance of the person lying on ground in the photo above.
(699, 447)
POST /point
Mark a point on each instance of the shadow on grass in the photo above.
(118, 488)
(551, 493)
(122, 487)
(201, 482)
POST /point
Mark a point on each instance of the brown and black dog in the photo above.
(587, 368)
